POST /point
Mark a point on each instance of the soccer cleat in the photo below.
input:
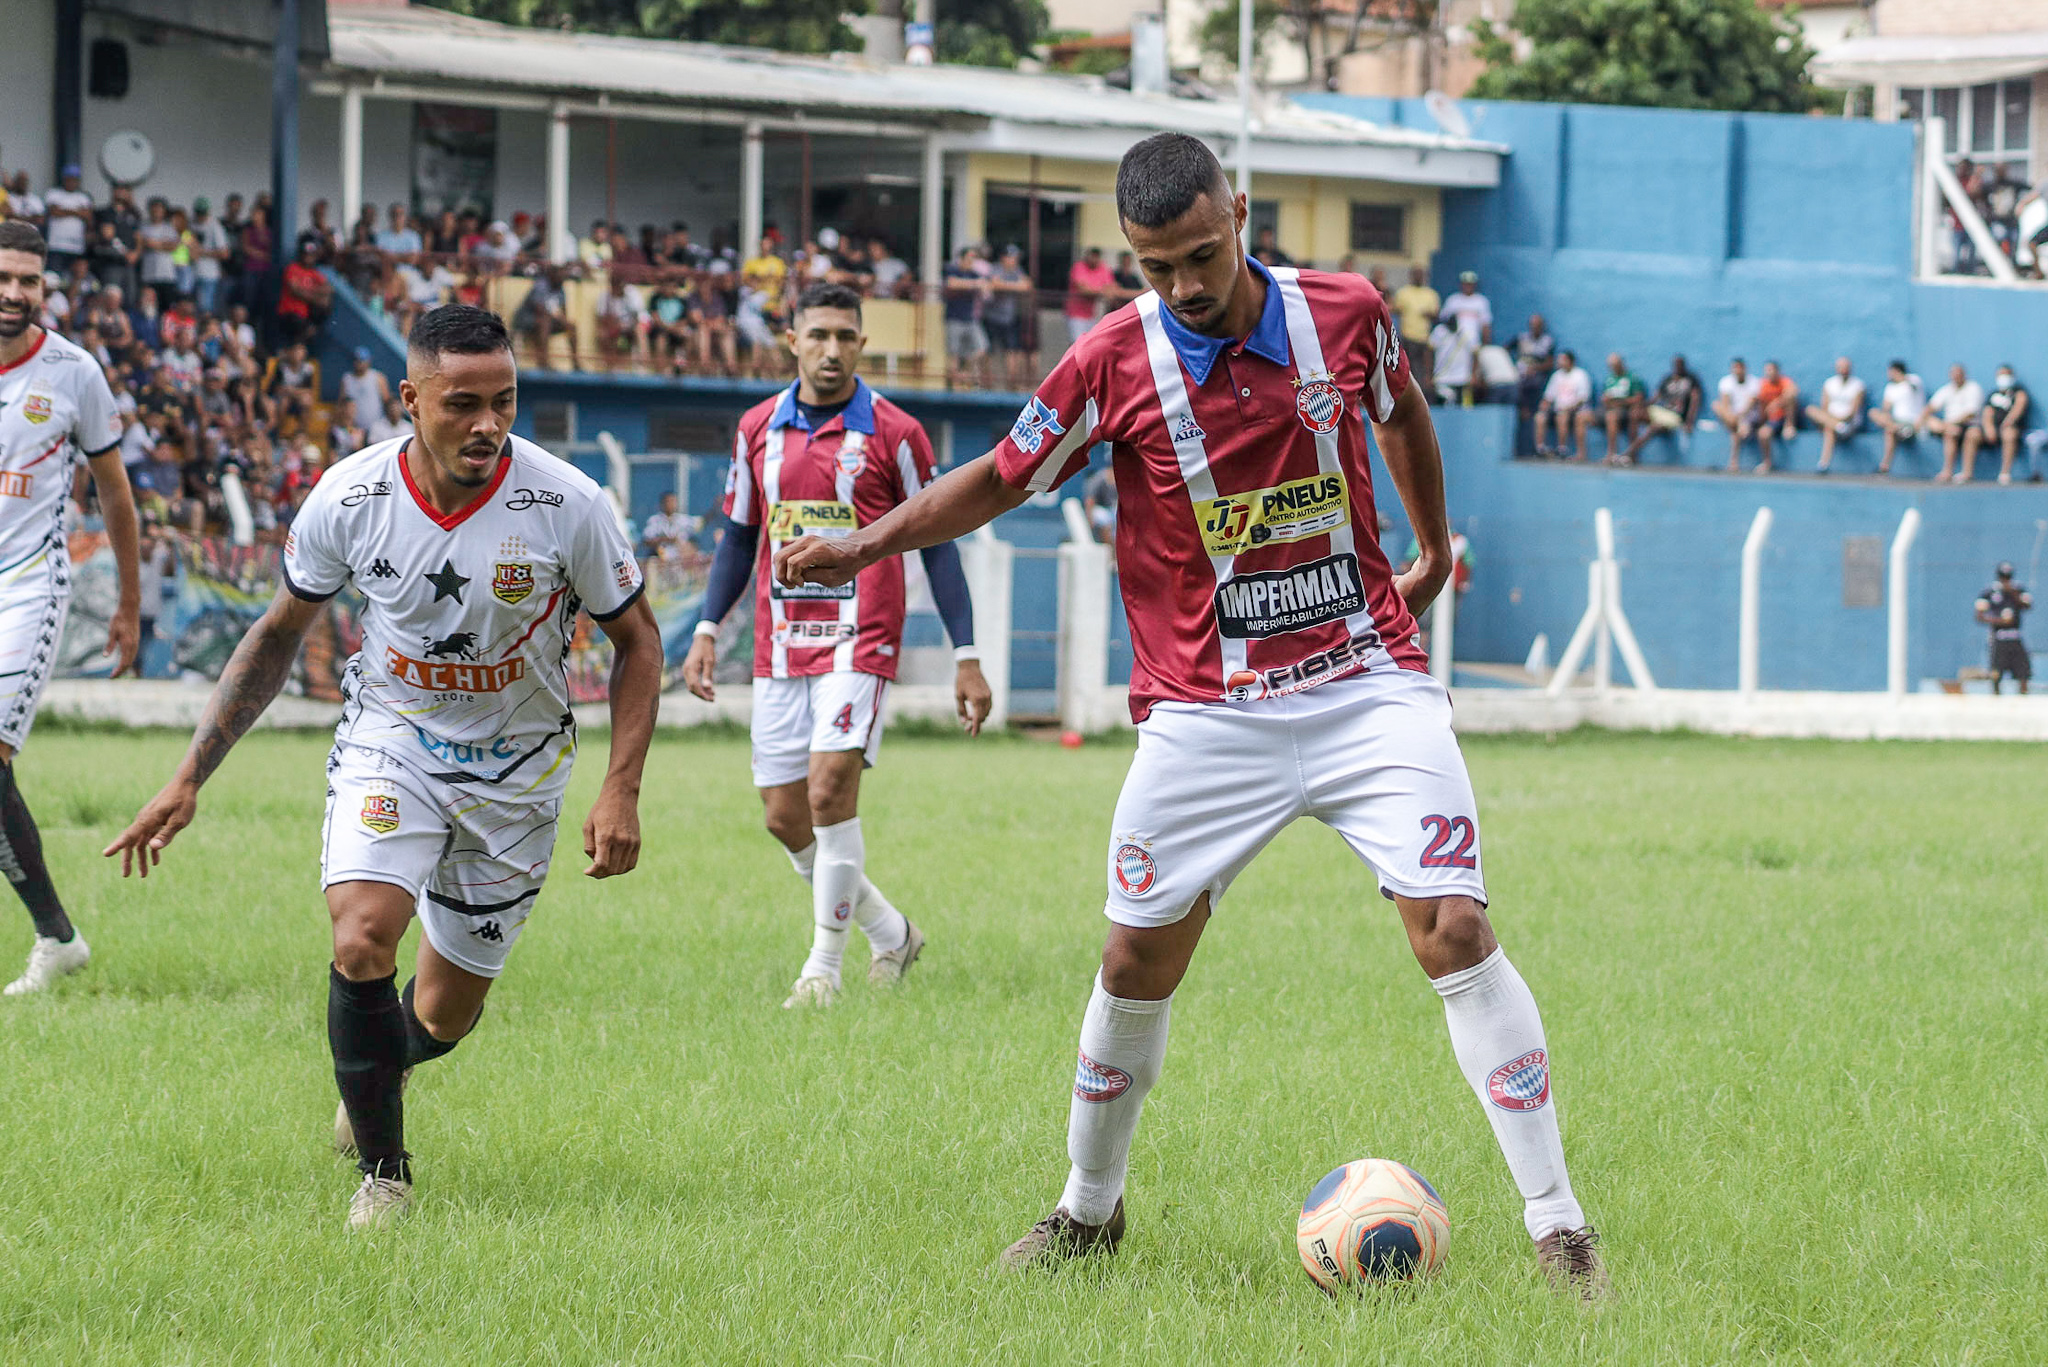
(1571, 1259)
(811, 992)
(344, 1133)
(1059, 1237)
(49, 960)
(886, 970)
(379, 1202)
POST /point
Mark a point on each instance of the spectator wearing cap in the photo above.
(1469, 311)
(1839, 412)
(1736, 405)
(307, 295)
(1952, 411)
(67, 212)
(2000, 608)
(210, 252)
(2003, 419)
(1899, 411)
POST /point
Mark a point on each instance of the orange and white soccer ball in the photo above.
(1374, 1220)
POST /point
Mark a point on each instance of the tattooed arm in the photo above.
(258, 669)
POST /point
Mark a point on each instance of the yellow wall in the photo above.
(1315, 211)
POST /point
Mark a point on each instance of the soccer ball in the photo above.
(1374, 1220)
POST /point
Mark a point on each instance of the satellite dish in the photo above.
(1448, 116)
(127, 158)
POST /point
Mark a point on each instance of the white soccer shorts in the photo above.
(473, 861)
(822, 713)
(1371, 756)
(32, 616)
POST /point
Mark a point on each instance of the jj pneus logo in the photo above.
(1294, 511)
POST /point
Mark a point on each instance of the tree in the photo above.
(990, 32)
(786, 25)
(1680, 54)
(1326, 31)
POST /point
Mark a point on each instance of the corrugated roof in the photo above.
(433, 45)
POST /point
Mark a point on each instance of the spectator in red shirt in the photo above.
(1088, 283)
(303, 303)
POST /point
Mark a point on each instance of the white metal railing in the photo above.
(1604, 628)
(1895, 604)
(1939, 186)
(1748, 624)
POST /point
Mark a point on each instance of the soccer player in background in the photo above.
(1277, 673)
(55, 407)
(2000, 607)
(827, 456)
(473, 550)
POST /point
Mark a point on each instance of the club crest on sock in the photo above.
(1098, 1082)
(1521, 1084)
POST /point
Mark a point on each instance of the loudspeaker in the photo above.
(107, 69)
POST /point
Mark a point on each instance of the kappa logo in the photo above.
(380, 568)
(1521, 1084)
(1319, 402)
(1096, 1083)
(380, 812)
(1186, 429)
(521, 499)
(1280, 601)
(1135, 871)
(363, 493)
(512, 581)
(15, 484)
(1034, 425)
(36, 408)
(489, 931)
(1390, 349)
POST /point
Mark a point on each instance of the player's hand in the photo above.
(124, 636)
(142, 844)
(830, 561)
(611, 834)
(972, 696)
(697, 667)
(1422, 581)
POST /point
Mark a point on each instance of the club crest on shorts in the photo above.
(1521, 1084)
(380, 812)
(36, 408)
(512, 581)
(1098, 1082)
(1135, 871)
(1319, 402)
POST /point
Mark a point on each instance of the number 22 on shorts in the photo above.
(1440, 853)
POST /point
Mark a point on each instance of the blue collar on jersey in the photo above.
(858, 415)
(1198, 353)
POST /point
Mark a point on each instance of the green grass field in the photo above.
(1793, 995)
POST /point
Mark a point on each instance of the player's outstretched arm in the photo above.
(944, 510)
(1407, 443)
(254, 674)
(117, 506)
(611, 833)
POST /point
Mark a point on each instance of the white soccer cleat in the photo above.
(886, 970)
(49, 960)
(379, 1203)
(818, 993)
(344, 1133)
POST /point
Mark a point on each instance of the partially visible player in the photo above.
(473, 550)
(2000, 607)
(55, 407)
(1276, 670)
(827, 456)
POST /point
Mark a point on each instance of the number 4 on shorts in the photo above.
(843, 723)
(1440, 854)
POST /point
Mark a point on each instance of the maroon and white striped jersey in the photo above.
(1247, 540)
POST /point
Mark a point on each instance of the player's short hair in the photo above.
(826, 295)
(16, 236)
(1161, 178)
(462, 329)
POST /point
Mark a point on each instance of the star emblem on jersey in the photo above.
(447, 583)
(1319, 402)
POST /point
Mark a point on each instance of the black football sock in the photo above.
(21, 859)
(366, 1031)
(420, 1044)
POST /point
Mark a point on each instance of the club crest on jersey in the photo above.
(1521, 1084)
(1185, 428)
(1135, 871)
(380, 812)
(512, 581)
(1319, 402)
(1034, 425)
(1097, 1083)
(36, 408)
(849, 458)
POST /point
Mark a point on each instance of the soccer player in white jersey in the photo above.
(828, 452)
(55, 407)
(473, 550)
(1277, 672)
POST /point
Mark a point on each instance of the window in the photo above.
(672, 429)
(1379, 228)
(554, 425)
(1986, 123)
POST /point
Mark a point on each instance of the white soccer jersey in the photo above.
(467, 617)
(54, 407)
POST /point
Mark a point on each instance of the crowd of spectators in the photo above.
(2015, 213)
(204, 346)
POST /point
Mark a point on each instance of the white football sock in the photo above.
(877, 917)
(835, 888)
(1123, 1042)
(1498, 1038)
